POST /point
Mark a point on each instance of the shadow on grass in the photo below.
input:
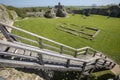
(65, 75)
(106, 77)
(58, 75)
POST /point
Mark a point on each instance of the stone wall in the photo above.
(50, 13)
(14, 14)
(112, 11)
(57, 11)
(36, 14)
(4, 15)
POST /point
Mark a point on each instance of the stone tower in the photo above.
(60, 10)
(57, 11)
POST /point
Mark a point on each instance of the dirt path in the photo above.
(116, 70)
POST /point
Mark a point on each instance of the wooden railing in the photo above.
(41, 52)
(43, 46)
(41, 42)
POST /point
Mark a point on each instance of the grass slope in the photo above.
(107, 41)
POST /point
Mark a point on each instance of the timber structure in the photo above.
(84, 32)
(37, 52)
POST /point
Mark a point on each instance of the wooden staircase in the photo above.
(42, 53)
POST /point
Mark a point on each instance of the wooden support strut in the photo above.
(83, 68)
(61, 49)
(40, 58)
(109, 64)
(68, 63)
(40, 43)
(5, 33)
(113, 65)
(86, 52)
(6, 50)
(91, 70)
(104, 62)
(94, 54)
(75, 53)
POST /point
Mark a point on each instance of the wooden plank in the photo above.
(21, 64)
(3, 47)
(17, 55)
(71, 29)
(82, 48)
(11, 49)
(96, 33)
(95, 29)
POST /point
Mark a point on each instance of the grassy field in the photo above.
(107, 41)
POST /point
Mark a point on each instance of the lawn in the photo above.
(107, 41)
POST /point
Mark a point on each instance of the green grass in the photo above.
(107, 41)
(103, 75)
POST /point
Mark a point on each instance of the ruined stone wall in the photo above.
(4, 15)
(50, 14)
(14, 14)
(113, 11)
(36, 14)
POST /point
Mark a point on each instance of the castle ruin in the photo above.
(58, 11)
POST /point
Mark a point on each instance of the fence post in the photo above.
(94, 53)
(91, 70)
(5, 32)
(68, 63)
(61, 49)
(113, 65)
(40, 43)
(109, 64)
(83, 68)
(40, 58)
(76, 53)
(105, 57)
(101, 55)
(104, 62)
(86, 51)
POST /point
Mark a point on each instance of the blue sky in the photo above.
(30, 3)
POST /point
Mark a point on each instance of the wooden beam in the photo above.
(17, 55)
(67, 63)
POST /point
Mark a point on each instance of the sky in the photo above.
(33, 3)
